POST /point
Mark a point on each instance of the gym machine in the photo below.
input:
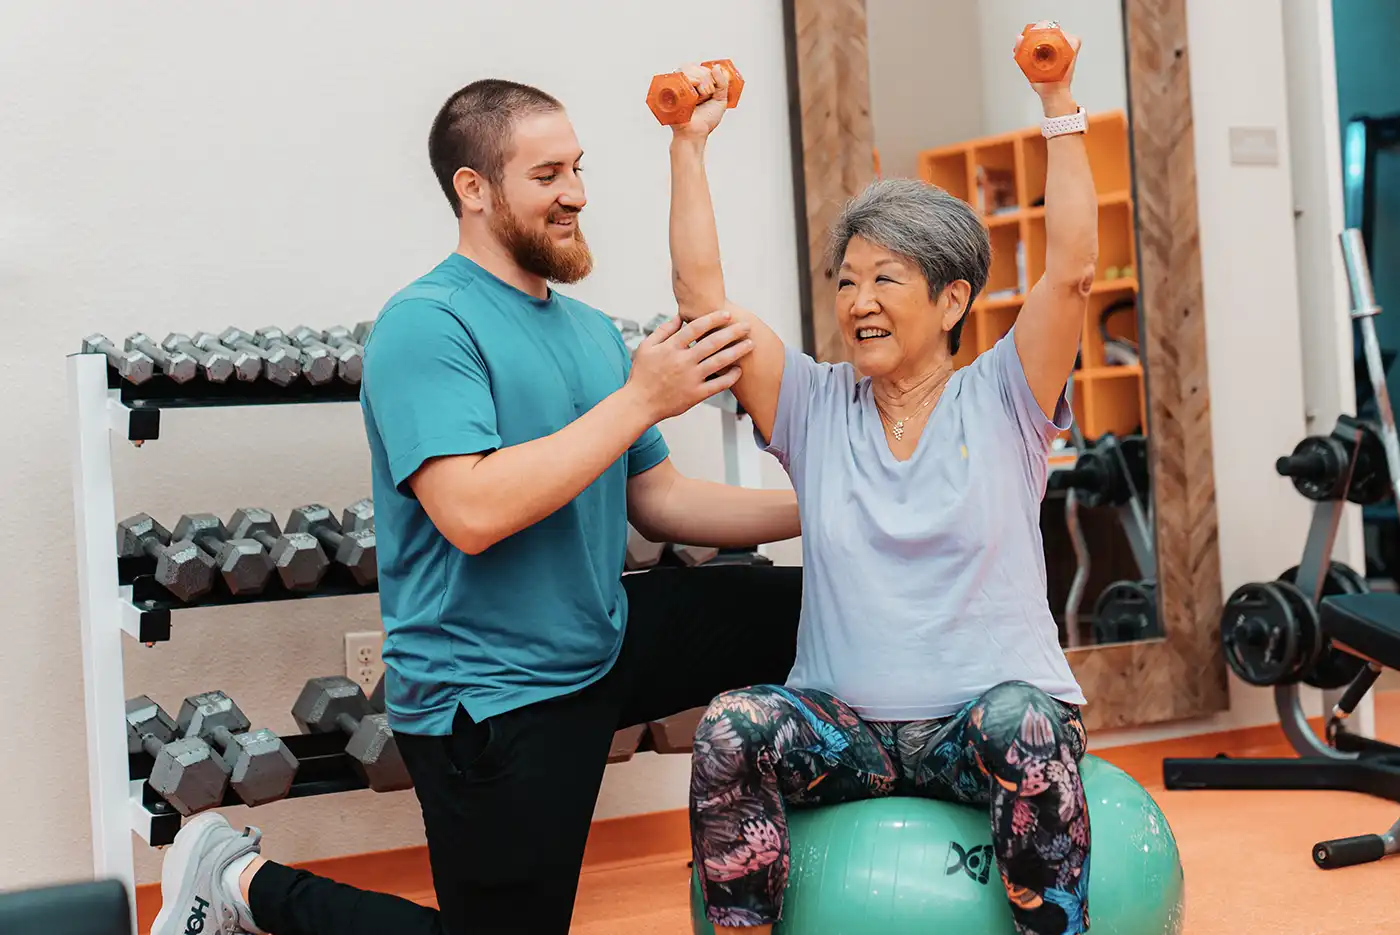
(1365, 139)
(1317, 624)
(1111, 473)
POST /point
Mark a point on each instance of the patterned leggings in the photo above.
(1015, 749)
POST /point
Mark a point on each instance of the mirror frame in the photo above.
(1183, 674)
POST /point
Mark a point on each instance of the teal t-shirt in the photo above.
(460, 362)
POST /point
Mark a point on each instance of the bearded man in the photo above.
(511, 439)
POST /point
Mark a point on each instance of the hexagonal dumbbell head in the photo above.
(361, 332)
(672, 99)
(736, 80)
(186, 772)
(359, 515)
(298, 558)
(246, 568)
(354, 550)
(1044, 53)
(334, 703)
(182, 568)
(641, 551)
(259, 765)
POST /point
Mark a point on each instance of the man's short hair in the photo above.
(473, 129)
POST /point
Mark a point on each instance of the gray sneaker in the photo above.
(192, 891)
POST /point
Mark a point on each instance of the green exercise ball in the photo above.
(903, 865)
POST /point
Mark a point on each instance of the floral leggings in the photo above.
(1014, 749)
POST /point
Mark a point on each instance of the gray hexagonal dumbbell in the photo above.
(361, 332)
(134, 366)
(297, 556)
(260, 768)
(217, 365)
(178, 366)
(349, 357)
(182, 568)
(186, 772)
(247, 367)
(355, 550)
(281, 362)
(641, 551)
(334, 703)
(244, 564)
(317, 364)
(359, 515)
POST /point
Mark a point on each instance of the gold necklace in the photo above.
(897, 428)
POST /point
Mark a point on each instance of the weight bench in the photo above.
(1366, 626)
(97, 907)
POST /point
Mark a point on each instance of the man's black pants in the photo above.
(507, 803)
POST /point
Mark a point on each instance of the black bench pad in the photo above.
(1366, 623)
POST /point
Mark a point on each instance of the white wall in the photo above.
(925, 76)
(172, 167)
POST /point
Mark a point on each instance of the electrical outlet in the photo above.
(364, 658)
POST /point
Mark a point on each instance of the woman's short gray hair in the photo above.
(923, 223)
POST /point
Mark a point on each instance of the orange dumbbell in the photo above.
(673, 99)
(1044, 54)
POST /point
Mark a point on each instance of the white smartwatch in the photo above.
(1077, 122)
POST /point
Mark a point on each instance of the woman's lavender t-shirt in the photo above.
(924, 580)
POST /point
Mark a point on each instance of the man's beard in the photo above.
(536, 252)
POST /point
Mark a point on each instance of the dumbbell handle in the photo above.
(348, 723)
(153, 546)
(152, 744)
(328, 537)
(265, 539)
(222, 738)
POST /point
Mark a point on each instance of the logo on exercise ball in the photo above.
(976, 862)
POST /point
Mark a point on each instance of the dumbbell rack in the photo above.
(116, 600)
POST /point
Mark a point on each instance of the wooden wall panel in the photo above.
(1182, 675)
(829, 87)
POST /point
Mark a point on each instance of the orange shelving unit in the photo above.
(1003, 178)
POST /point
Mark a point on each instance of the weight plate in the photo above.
(1332, 456)
(1370, 479)
(1333, 668)
(1310, 643)
(1126, 611)
(1259, 634)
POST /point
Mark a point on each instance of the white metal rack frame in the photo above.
(117, 600)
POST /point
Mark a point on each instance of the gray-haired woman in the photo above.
(928, 660)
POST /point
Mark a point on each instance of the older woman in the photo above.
(928, 660)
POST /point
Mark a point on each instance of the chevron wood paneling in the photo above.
(1182, 675)
(831, 116)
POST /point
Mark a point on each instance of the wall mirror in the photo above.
(904, 88)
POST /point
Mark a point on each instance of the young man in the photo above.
(511, 439)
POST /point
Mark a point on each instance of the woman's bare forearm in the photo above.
(1071, 204)
(697, 276)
